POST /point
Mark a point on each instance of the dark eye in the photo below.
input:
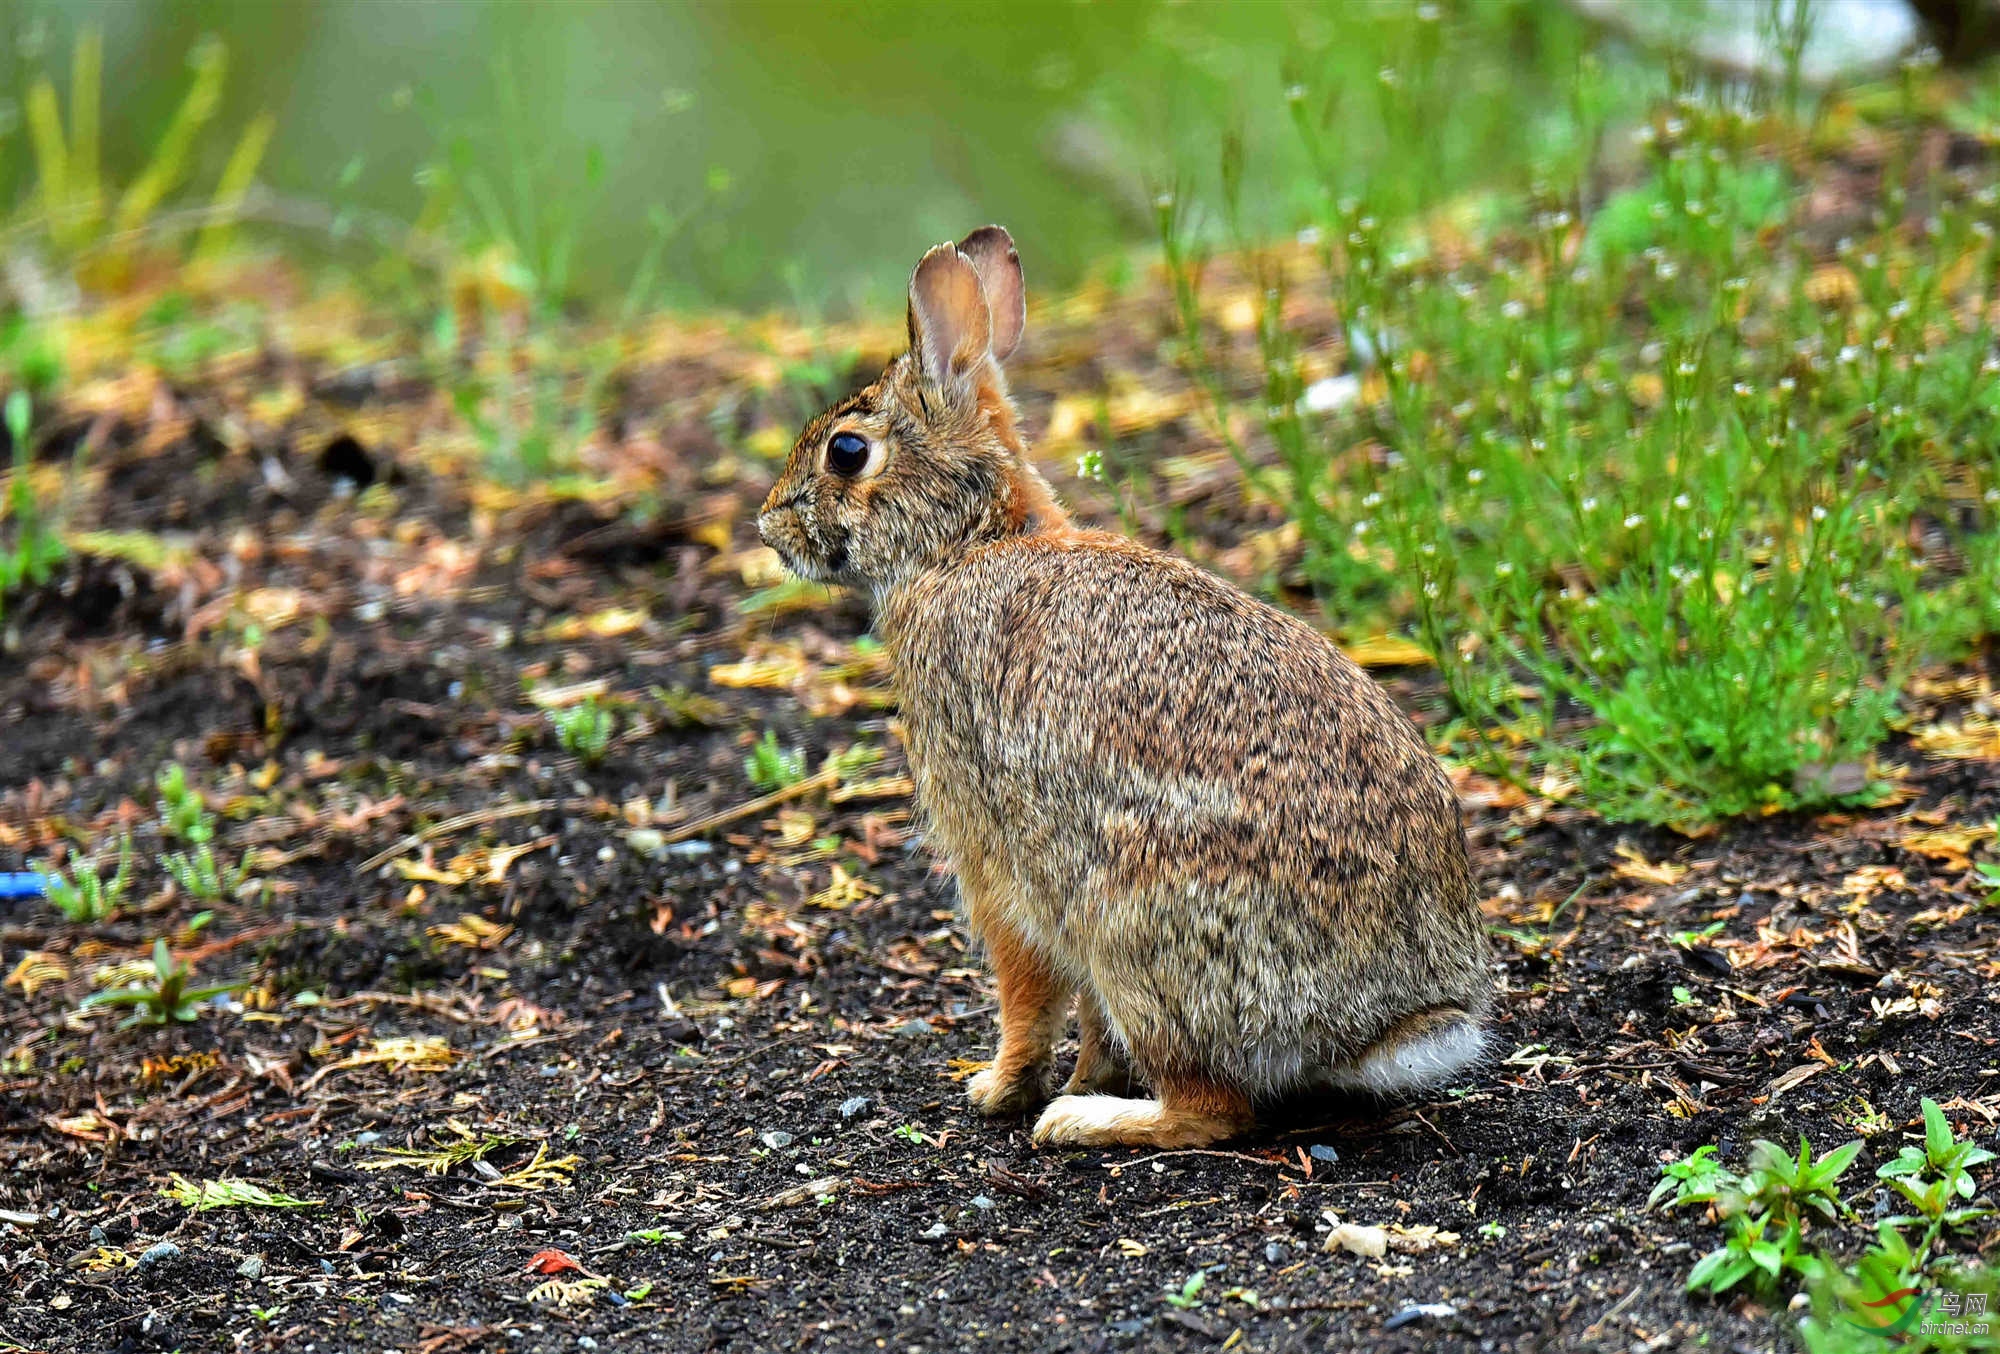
(847, 454)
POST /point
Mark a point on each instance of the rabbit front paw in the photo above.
(993, 1092)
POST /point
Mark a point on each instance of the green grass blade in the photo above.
(170, 156)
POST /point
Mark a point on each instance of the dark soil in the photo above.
(748, 1074)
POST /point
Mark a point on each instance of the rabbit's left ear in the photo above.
(998, 264)
(951, 329)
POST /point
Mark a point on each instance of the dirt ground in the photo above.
(703, 1066)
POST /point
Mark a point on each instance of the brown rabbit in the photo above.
(1181, 807)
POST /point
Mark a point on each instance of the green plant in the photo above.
(35, 547)
(83, 895)
(1931, 1177)
(1698, 1178)
(584, 729)
(1646, 485)
(531, 382)
(183, 812)
(201, 877)
(1852, 1307)
(771, 767)
(165, 999)
(73, 207)
(1765, 1213)
(1189, 1293)
(1988, 872)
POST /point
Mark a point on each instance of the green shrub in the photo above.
(164, 998)
(81, 894)
(584, 729)
(183, 812)
(1676, 498)
(771, 767)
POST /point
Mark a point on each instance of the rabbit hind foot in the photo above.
(1187, 1114)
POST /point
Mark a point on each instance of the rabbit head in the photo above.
(926, 462)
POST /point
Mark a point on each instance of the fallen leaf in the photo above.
(1416, 1240)
(1975, 739)
(777, 672)
(1634, 865)
(1799, 1075)
(473, 932)
(1388, 651)
(812, 1191)
(1950, 846)
(552, 1261)
(607, 624)
(36, 971)
(1358, 1239)
(843, 891)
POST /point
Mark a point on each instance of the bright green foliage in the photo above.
(1891, 1287)
(584, 729)
(1791, 1188)
(1189, 1293)
(1748, 1253)
(1646, 485)
(165, 999)
(31, 548)
(1988, 872)
(771, 767)
(202, 877)
(1934, 1176)
(82, 894)
(1765, 1213)
(1696, 1179)
(183, 812)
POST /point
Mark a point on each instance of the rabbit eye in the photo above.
(847, 454)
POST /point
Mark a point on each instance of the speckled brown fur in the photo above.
(1158, 793)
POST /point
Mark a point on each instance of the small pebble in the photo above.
(1277, 1253)
(913, 1028)
(981, 1201)
(252, 1268)
(777, 1138)
(158, 1251)
(853, 1105)
(934, 1232)
(367, 1139)
(1418, 1311)
(1321, 1152)
(585, 1342)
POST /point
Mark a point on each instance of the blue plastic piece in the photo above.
(21, 886)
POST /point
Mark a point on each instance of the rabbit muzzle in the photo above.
(785, 530)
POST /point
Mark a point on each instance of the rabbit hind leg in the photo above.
(1101, 1061)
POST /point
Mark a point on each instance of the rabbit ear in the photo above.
(951, 330)
(994, 257)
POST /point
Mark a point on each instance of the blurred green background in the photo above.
(796, 154)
